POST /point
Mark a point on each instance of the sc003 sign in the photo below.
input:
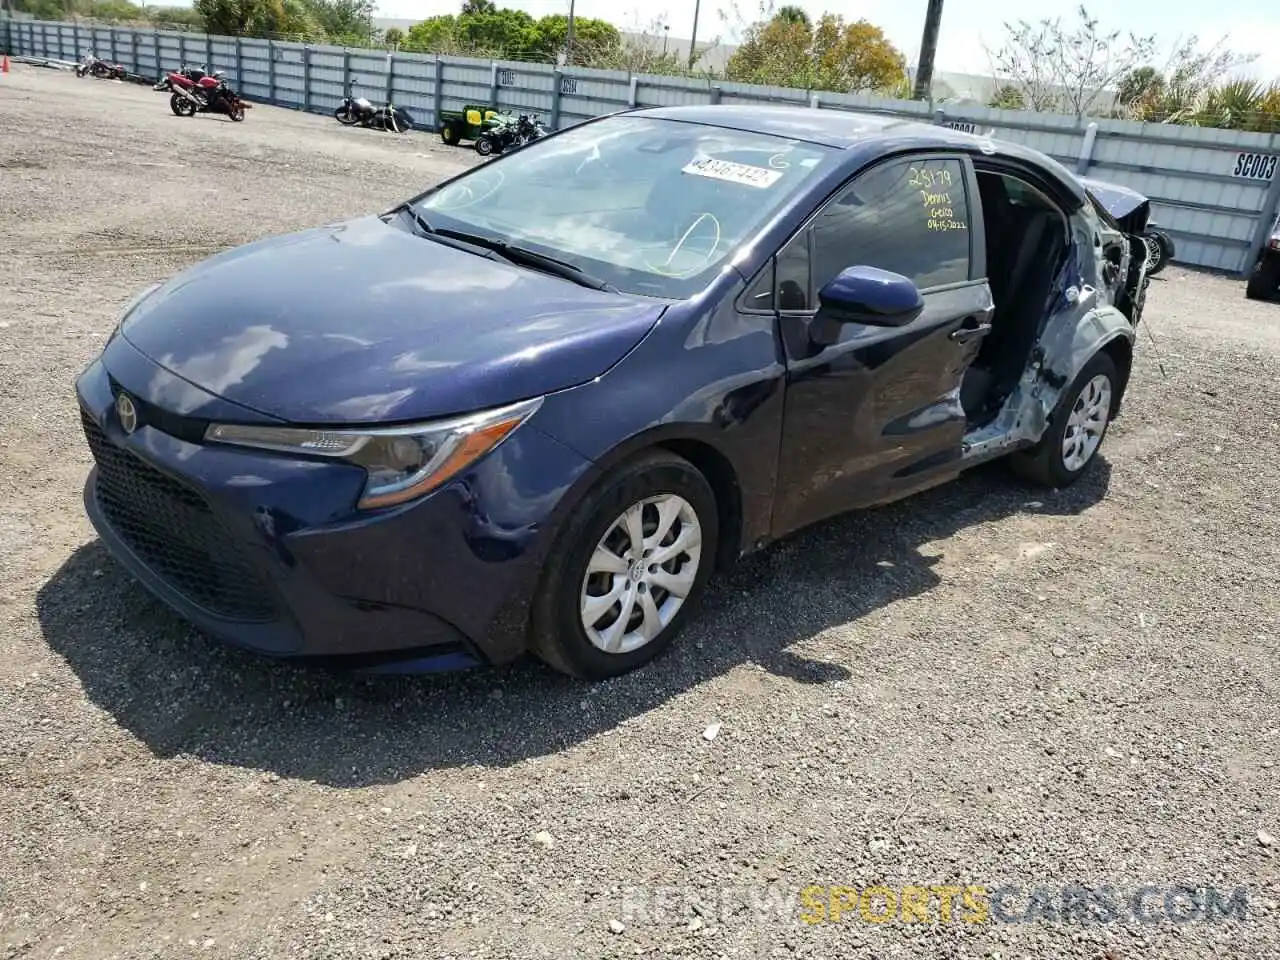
(1255, 166)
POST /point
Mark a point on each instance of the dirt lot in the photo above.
(986, 685)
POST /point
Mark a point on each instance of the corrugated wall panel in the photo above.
(1207, 186)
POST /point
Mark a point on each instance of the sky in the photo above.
(1252, 26)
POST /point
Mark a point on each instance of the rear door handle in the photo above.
(972, 329)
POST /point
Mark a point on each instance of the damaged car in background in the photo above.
(535, 407)
(1264, 277)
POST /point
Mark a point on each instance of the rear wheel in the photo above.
(1076, 429)
(627, 569)
(1264, 282)
(181, 106)
(236, 112)
(100, 70)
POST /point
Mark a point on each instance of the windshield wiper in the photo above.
(529, 258)
(510, 252)
(453, 238)
(419, 220)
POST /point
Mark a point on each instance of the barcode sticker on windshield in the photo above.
(742, 173)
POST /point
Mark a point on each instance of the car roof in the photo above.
(850, 129)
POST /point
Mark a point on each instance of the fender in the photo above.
(1070, 340)
(1066, 348)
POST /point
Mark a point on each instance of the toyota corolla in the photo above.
(535, 407)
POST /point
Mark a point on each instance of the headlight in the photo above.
(401, 462)
(130, 307)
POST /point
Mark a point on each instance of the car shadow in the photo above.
(181, 693)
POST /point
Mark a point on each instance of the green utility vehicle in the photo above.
(468, 123)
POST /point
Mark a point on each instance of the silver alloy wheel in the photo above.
(640, 573)
(1087, 423)
(1155, 252)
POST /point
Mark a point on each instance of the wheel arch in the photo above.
(692, 444)
(723, 478)
(1120, 350)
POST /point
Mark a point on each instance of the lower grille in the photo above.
(172, 530)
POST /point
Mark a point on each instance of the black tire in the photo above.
(449, 135)
(1044, 464)
(1264, 282)
(181, 106)
(346, 116)
(485, 145)
(100, 70)
(1159, 251)
(236, 112)
(557, 634)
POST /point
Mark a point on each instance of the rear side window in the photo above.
(907, 216)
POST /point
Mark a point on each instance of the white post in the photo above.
(1086, 148)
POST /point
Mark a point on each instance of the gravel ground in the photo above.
(986, 685)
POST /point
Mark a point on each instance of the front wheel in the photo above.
(485, 145)
(345, 116)
(236, 112)
(100, 70)
(450, 136)
(1076, 429)
(1264, 282)
(627, 569)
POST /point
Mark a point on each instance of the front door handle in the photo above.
(972, 329)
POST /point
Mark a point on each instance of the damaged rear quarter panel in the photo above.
(1083, 319)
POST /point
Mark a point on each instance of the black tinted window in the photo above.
(910, 217)
(793, 274)
(759, 294)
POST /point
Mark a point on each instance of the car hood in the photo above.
(364, 321)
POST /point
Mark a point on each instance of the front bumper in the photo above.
(265, 551)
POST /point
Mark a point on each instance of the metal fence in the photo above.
(1215, 191)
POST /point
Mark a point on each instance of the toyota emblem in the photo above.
(127, 413)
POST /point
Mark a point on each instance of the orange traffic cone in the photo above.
(4, 67)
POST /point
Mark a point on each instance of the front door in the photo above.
(876, 414)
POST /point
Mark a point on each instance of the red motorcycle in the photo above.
(209, 94)
(192, 74)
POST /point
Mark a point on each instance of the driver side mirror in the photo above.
(872, 296)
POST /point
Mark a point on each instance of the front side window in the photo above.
(908, 216)
(654, 207)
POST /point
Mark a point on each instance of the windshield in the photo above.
(653, 207)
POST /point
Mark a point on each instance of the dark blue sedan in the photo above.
(535, 407)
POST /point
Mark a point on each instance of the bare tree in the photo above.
(1022, 63)
(1068, 68)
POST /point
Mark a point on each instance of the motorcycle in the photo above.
(358, 110)
(97, 67)
(209, 94)
(510, 134)
(1160, 249)
(192, 74)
